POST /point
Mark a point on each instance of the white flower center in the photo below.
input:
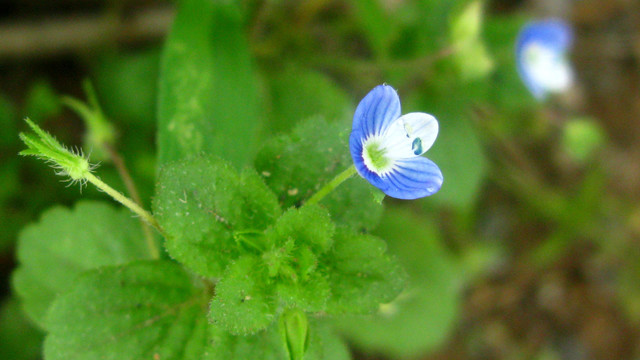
(408, 136)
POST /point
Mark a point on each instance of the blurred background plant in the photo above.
(530, 250)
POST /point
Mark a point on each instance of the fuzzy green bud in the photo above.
(44, 146)
(294, 329)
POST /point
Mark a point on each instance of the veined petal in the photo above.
(410, 135)
(412, 179)
(376, 111)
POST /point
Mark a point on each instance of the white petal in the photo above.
(547, 68)
(410, 135)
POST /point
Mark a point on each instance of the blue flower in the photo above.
(386, 147)
(541, 57)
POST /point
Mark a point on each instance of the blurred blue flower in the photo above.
(541, 52)
(386, 147)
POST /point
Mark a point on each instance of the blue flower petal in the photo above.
(552, 34)
(376, 111)
(413, 178)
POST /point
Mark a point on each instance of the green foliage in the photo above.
(299, 93)
(422, 317)
(53, 251)
(44, 146)
(294, 327)
(204, 206)
(127, 85)
(7, 122)
(242, 304)
(208, 100)
(296, 166)
(143, 310)
(361, 275)
(267, 345)
(581, 138)
(457, 151)
(223, 224)
(19, 339)
(376, 24)
(42, 101)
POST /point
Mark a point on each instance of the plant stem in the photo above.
(116, 195)
(331, 185)
(119, 164)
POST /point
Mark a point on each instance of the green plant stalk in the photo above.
(331, 185)
(145, 215)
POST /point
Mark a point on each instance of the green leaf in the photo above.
(243, 304)
(202, 203)
(19, 339)
(264, 345)
(310, 225)
(424, 315)
(52, 252)
(298, 94)
(143, 310)
(361, 275)
(208, 100)
(267, 344)
(297, 166)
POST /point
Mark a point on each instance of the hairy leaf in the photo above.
(143, 310)
(296, 166)
(202, 203)
(53, 251)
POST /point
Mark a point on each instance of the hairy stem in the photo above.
(144, 214)
(118, 162)
(331, 185)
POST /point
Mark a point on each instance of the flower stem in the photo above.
(331, 185)
(118, 162)
(144, 214)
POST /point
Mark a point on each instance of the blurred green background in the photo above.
(531, 250)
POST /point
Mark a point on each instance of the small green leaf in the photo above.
(202, 202)
(310, 225)
(310, 294)
(143, 310)
(361, 275)
(243, 304)
(208, 99)
(297, 166)
(52, 252)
